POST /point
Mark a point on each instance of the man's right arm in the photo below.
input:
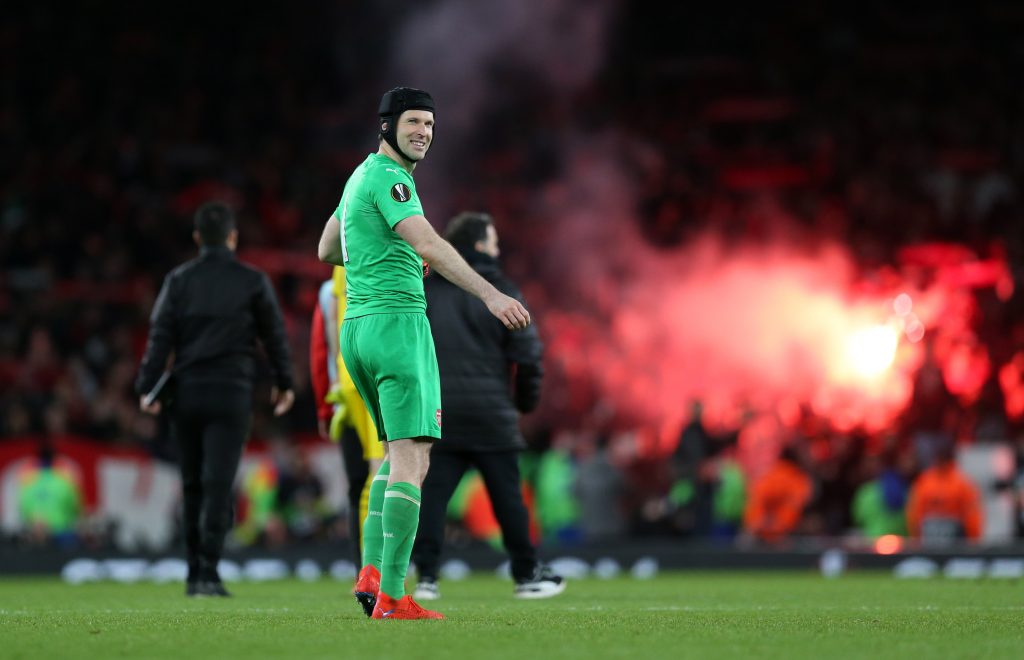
(442, 257)
(329, 250)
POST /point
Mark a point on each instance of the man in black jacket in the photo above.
(489, 375)
(209, 314)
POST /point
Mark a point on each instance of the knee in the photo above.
(409, 462)
(423, 466)
(411, 474)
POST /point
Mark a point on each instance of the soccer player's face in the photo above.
(415, 132)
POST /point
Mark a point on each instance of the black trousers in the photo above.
(211, 425)
(357, 471)
(500, 472)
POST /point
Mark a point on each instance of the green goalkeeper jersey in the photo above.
(383, 274)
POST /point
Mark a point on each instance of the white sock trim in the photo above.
(392, 493)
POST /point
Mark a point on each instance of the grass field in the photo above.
(717, 615)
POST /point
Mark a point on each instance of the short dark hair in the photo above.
(214, 221)
(465, 229)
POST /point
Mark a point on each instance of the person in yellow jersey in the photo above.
(351, 426)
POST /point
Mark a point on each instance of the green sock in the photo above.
(373, 532)
(401, 519)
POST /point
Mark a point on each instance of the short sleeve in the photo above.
(394, 193)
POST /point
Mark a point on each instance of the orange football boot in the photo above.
(367, 586)
(403, 608)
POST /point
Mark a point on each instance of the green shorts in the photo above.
(392, 362)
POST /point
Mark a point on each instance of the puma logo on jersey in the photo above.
(400, 192)
(390, 169)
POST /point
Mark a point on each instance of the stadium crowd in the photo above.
(884, 131)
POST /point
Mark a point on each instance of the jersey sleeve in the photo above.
(394, 194)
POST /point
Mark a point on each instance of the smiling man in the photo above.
(379, 233)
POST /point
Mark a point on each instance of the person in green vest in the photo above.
(879, 505)
(49, 502)
(730, 497)
(557, 508)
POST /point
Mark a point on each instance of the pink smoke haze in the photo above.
(752, 327)
(745, 327)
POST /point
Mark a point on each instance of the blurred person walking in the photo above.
(209, 314)
(489, 375)
(379, 233)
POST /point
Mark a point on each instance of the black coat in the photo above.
(489, 374)
(210, 312)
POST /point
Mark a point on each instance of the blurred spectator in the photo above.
(729, 494)
(49, 502)
(929, 418)
(300, 499)
(557, 510)
(690, 495)
(778, 499)
(598, 489)
(258, 521)
(879, 503)
(944, 505)
(837, 477)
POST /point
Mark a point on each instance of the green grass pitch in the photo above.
(675, 615)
